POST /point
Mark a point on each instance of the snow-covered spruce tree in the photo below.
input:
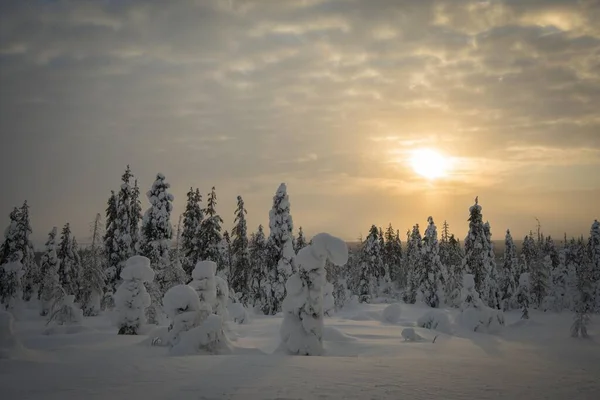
(280, 262)
(111, 250)
(209, 235)
(414, 264)
(156, 241)
(594, 255)
(528, 254)
(124, 221)
(523, 295)
(131, 298)
(371, 260)
(454, 259)
(77, 268)
(477, 256)
(10, 247)
(31, 278)
(585, 285)
(220, 305)
(475, 315)
(508, 284)
(302, 328)
(538, 275)
(192, 219)
(67, 272)
(392, 255)
(204, 283)
(92, 282)
(240, 274)
(492, 279)
(257, 277)
(48, 272)
(225, 256)
(13, 294)
(559, 284)
(300, 241)
(433, 277)
(135, 218)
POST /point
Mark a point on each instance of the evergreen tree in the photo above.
(92, 285)
(31, 279)
(559, 284)
(508, 284)
(68, 270)
(77, 268)
(492, 279)
(477, 255)
(300, 241)
(258, 259)
(50, 285)
(192, 219)
(280, 262)
(528, 254)
(11, 269)
(209, 235)
(538, 274)
(454, 258)
(225, 255)
(584, 295)
(157, 233)
(240, 274)
(371, 260)
(111, 249)
(414, 263)
(135, 217)
(433, 276)
(523, 295)
(124, 221)
(594, 256)
(392, 254)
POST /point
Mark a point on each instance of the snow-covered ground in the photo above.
(365, 359)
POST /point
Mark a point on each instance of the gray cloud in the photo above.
(244, 94)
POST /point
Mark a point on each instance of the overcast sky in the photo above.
(329, 96)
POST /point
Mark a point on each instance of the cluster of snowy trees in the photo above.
(255, 267)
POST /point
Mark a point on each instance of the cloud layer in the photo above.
(327, 95)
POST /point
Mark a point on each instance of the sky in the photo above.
(332, 97)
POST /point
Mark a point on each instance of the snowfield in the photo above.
(365, 358)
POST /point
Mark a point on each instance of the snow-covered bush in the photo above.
(475, 315)
(183, 307)
(132, 298)
(238, 313)
(523, 295)
(410, 335)
(328, 300)
(193, 327)
(391, 314)
(436, 320)
(302, 328)
(203, 281)
(8, 340)
(13, 273)
(65, 311)
(220, 305)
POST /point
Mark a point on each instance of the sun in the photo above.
(429, 164)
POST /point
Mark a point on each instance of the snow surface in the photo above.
(364, 359)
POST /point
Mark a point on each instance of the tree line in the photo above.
(426, 268)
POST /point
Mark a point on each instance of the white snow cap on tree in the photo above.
(204, 282)
(132, 298)
(302, 328)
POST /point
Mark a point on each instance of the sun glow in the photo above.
(429, 163)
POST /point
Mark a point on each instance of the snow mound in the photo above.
(204, 269)
(391, 314)
(206, 338)
(9, 344)
(410, 335)
(332, 334)
(238, 313)
(436, 320)
(137, 268)
(483, 320)
(179, 299)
